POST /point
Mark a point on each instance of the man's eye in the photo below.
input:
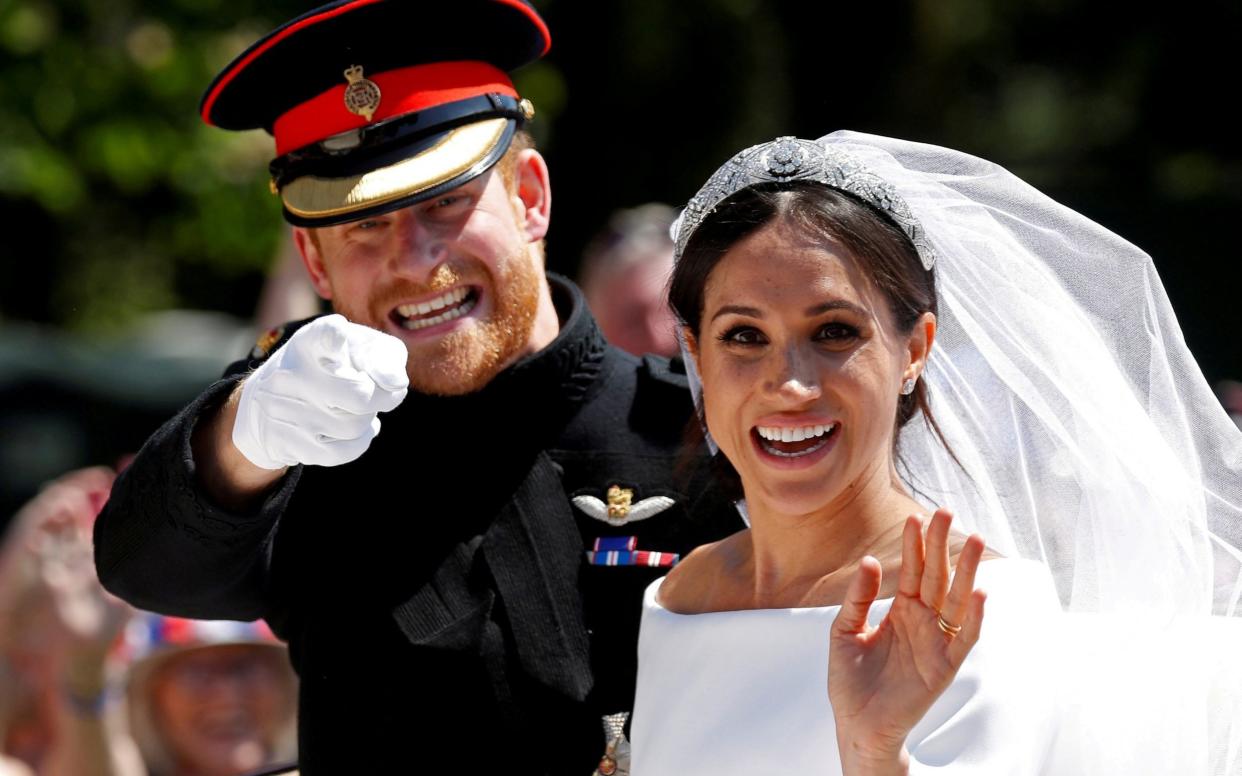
(368, 224)
(446, 201)
(743, 335)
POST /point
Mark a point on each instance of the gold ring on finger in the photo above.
(947, 627)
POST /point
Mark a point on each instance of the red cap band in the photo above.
(402, 91)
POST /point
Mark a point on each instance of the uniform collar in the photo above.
(571, 362)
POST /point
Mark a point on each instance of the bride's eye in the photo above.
(837, 333)
(743, 335)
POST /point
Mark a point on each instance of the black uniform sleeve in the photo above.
(162, 545)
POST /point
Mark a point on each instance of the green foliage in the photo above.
(116, 199)
(136, 200)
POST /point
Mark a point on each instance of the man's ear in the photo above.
(312, 258)
(533, 196)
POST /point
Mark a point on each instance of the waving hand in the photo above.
(882, 680)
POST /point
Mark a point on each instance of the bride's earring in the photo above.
(907, 387)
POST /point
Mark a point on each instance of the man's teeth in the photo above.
(784, 434)
(440, 302)
(452, 298)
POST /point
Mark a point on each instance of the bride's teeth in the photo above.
(785, 434)
(819, 433)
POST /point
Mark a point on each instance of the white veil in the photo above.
(1088, 437)
(1061, 381)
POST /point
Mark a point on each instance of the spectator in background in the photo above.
(1230, 393)
(9, 766)
(208, 697)
(57, 628)
(202, 697)
(287, 293)
(624, 274)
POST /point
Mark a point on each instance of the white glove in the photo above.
(315, 399)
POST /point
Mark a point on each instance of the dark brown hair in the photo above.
(883, 252)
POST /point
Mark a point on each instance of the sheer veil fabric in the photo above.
(1088, 439)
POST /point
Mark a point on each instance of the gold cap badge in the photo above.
(362, 96)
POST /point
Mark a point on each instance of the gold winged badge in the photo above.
(621, 508)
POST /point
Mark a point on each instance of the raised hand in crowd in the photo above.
(59, 627)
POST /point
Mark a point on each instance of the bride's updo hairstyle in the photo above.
(880, 249)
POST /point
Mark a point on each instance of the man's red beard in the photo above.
(465, 360)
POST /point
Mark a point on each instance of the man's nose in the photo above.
(418, 247)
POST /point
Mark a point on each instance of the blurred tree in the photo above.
(116, 199)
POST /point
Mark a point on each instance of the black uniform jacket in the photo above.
(435, 593)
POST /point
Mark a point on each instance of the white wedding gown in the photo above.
(746, 693)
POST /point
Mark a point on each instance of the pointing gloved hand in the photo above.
(315, 400)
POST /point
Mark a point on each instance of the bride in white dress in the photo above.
(873, 325)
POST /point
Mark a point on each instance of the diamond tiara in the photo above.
(788, 159)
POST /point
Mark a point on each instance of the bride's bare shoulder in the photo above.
(696, 584)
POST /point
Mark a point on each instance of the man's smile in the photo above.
(441, 309)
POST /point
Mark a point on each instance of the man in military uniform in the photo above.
(465, 587)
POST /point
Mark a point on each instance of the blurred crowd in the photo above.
(624, 275)
(89, 685)
(1230, 393)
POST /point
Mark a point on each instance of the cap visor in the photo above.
(456, 157)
